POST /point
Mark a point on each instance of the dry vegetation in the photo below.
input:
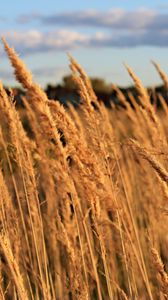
(83, 195)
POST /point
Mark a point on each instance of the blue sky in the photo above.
(101, 35)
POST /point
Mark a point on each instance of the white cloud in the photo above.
(35, 41)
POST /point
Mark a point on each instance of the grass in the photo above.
(83, 194)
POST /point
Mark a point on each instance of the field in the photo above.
(83, 194)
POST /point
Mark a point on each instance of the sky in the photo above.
(100, 35)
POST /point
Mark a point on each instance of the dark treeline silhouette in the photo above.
(66, 91)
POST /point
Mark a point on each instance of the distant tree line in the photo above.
(67, 91)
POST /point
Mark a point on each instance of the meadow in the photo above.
(83, 193)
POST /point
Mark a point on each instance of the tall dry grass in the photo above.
(83, 194)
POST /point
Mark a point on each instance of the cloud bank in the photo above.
(118, 19)
(34, 41)
(115, 28)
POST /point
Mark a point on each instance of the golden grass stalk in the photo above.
(13, 266)
(160, 170)
(163, 76)
(160, 270)
(144, 97)
(76, 68)
(145, 102)
(21, 73)
(38, 99)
